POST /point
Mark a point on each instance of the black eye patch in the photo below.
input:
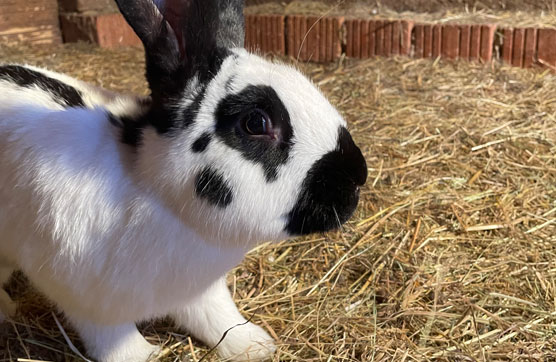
(270, 155)
(211, 186)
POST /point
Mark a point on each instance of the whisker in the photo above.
(340, 226)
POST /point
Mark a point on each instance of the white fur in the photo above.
(114, 237)
(260, 214)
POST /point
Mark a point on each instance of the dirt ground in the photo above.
(451, 255)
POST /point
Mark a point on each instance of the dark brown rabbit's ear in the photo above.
(184, 38)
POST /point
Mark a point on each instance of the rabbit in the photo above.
(121, 209)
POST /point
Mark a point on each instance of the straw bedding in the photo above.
(451, 255)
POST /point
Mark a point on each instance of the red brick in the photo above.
(357, 38)
(546, 47)
(427, 49)
(379, 37)
(364, 28)
(32, 22)
(322, 41)
(107, 30)
(261, 36)
(318, 40)
(396, 37)
(272, 33)
(278, 34)
(248, 41)
(349, 37)
(337, 41)
(294, 50)
(261, 32)
(255, 34)
(519, 47)
(113, 31)
(329, 39)
(507, 46)
(419, 41)
(281, 34)
(290, 25)
(387, 47)
(372, 38)
(450, 41)
(265, 28)
(436, 40)
(303, 38)
(77, 27)
(475, 43)
(487, 42)
(405, 41)
(70, 6)
(312, 39)
(529, 55)
(269, 34)
(465, 41)
(255, 30)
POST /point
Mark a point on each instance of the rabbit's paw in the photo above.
(247, 343)
(114, 343)
(135, 352)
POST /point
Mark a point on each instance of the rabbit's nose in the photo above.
(331, 189)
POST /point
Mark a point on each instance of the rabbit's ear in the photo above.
(156, 28)
(231, 29)
(183, 38)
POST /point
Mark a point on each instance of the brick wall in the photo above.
(96, 21)
(29, 21)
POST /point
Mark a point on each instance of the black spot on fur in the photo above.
(163, 116)
(270, 155)
(131, 128)
(211, 186)
(330, 192)
(192, 110)
(201, 143)
(63, 94)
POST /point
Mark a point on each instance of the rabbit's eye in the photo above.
(257, 123)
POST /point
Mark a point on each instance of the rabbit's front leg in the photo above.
(118, 343)
(210, 315)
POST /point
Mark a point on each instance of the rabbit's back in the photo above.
(71, 216)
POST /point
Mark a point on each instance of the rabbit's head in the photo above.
(240, 148)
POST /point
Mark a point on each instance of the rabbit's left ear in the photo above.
(201, 20)
(231, 28)
(184, 38)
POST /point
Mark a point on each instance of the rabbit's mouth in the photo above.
(330, 192)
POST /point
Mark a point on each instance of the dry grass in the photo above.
(451, 255)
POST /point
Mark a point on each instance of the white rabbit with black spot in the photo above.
(121, 209)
